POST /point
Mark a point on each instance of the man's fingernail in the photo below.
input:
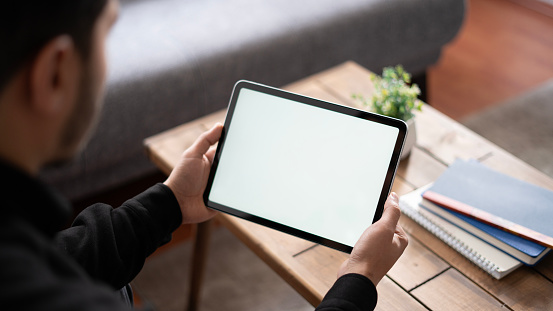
(394, 196)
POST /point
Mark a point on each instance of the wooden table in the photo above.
(429, 275)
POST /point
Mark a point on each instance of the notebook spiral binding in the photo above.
(449, 239)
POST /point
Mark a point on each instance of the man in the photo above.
(52, 75)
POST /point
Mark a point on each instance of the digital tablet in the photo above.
(307, 167)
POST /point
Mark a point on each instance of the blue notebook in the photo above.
(528, 247)
(483, 189)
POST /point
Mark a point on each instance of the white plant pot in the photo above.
(410, 140)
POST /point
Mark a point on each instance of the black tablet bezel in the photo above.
(390, 174)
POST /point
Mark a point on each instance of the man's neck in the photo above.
(10, 154)
(15, 145)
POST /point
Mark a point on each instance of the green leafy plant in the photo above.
(393, 96)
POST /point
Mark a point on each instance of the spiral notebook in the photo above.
(490, 259)
(521, 249)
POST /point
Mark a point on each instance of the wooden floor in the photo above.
(503, 50)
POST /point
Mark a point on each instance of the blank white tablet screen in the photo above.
(302, 166)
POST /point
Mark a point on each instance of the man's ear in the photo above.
(54, 76)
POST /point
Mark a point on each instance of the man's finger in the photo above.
(210, 154)
(402, 236)
(206, 140)
(391, 213)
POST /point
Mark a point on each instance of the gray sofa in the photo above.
(172, 61)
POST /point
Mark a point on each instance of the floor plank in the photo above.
(503, 50)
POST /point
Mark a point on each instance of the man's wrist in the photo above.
(359, 268)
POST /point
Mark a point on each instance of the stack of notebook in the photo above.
(496, 221)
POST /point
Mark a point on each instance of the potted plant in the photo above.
(394, 97)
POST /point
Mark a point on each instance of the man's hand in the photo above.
(379, 246)
(189, 178)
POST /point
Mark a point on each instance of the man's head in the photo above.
(52, 72)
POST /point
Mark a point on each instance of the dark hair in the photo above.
(27, 25)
